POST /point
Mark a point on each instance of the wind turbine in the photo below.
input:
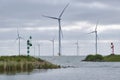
(19, 39)
(34, 50)
(53, 41)
(96, 37)
(60, 30)
(39, 46)
(77, 47)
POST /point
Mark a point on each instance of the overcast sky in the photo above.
(79, 18)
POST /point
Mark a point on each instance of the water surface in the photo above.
(79, 71)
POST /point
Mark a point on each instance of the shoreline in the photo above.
(23, 64)
(100, 58)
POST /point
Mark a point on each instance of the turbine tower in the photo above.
(53, 42)
(39, 49)
(77, 47)
(96, 38)
(34, 50)
(19, 39)
(59, 23)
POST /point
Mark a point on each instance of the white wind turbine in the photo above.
(96, 38)
(77, 47)
(39, 49)
(53, 42)
(19, 39)
(60, 30)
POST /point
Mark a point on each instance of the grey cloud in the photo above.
(25, 11)
(115, 2)
(110, 35)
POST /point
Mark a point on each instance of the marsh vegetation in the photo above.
(23, 64)
(98, 57)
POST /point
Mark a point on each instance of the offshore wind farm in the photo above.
(59, 40)
(62, 46)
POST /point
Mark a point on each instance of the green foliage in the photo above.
(20, 58)
(109, 58)
(112, 58)
(40, 60)
(13, 67)
(23, 63)
(96, 57)
(48, 65)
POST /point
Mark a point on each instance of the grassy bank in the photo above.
(112, 58)
(98, 57)
(23, 64)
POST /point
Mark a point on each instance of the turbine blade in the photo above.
(49, 17)
(77, 42)
(63, 10)
(21, 38)
(17, 32)
(96, 26)
(17, 38)
(53, 38)
(91, 32)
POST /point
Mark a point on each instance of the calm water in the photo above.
(78, 71)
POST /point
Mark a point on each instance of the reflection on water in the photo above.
(14, 72)
(82, 71)
(65, 60)
(39, 71)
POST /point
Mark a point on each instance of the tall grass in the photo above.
(15, 66)
(23, 64)
(96, 57)
(112, 58)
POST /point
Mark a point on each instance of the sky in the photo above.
(78, 20)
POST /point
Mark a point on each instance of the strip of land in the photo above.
(23, 63)
(100, 58)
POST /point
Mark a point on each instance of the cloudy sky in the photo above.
(77, 21)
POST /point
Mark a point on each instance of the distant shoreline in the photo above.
(100, 58)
